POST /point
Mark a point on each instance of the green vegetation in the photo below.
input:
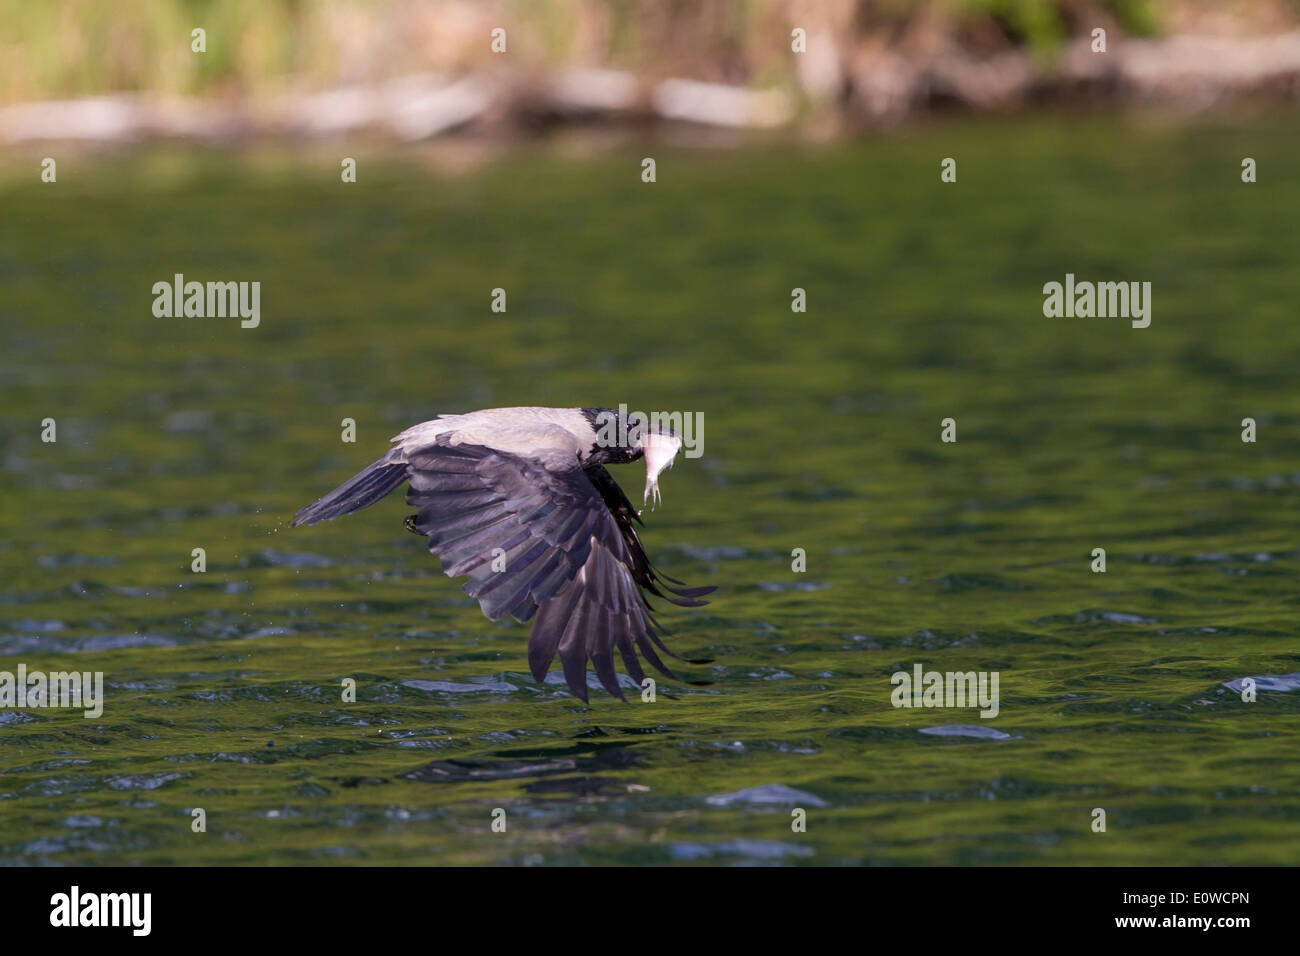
(263, 47)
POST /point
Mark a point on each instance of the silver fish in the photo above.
(660, 449)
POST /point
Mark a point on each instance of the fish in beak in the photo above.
(660, 449)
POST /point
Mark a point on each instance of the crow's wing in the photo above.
(537, 537)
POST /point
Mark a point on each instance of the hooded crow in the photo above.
(518, 500)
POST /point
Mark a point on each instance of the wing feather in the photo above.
(574, 563)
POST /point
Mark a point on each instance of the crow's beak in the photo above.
(660, 450)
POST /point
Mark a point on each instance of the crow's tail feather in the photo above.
(360, 491)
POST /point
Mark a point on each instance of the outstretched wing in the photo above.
(539, 536)
(518, 529)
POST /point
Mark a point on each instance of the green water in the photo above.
(821, 432)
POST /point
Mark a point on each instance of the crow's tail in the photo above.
(360, 491)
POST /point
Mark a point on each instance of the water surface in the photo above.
(821, 433)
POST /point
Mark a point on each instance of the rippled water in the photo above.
(1118, 690)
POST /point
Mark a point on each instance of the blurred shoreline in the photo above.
(814, 70)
